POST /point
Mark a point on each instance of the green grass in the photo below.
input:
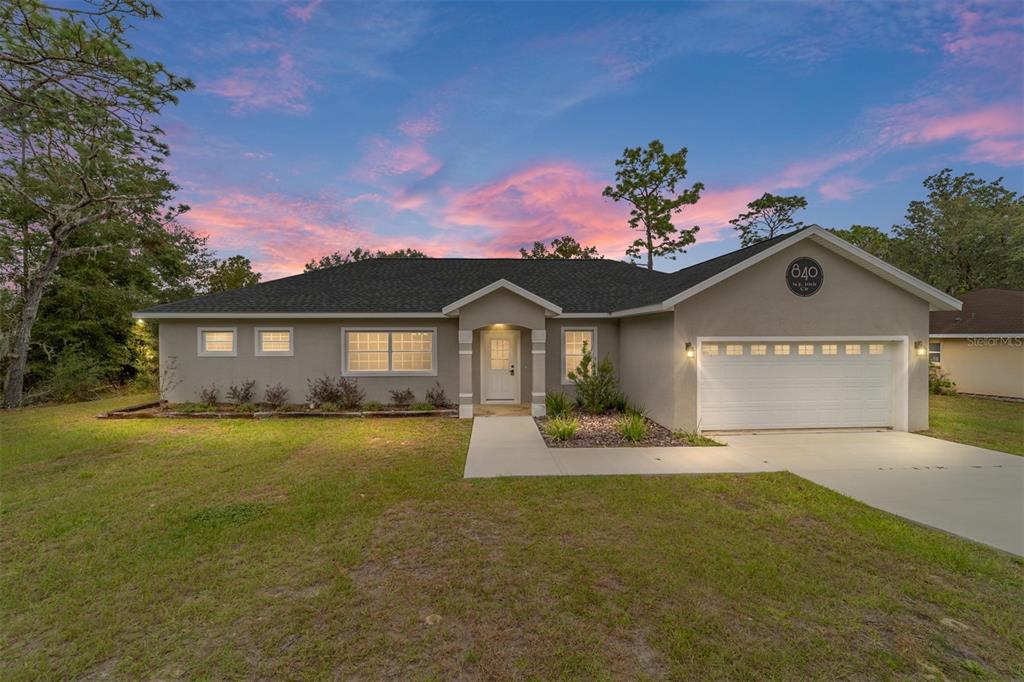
(316, 548)
(695, 439)
(994, 424)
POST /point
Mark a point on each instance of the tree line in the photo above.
(89, 229)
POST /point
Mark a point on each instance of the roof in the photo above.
(985, 311)
(435, 287)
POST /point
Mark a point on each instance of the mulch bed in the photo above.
(601, 431)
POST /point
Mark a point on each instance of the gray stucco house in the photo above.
(800, 331)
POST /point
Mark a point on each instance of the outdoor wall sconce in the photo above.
(689, 350)
(919, 348)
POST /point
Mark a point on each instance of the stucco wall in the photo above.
(647, 364)
(501, 307)
(851, 302)
(986, 366)
(607, 346)
(317, 345)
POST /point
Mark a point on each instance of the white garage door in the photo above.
(795, 384)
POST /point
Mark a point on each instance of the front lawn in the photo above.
(353, 548)
(994, 424)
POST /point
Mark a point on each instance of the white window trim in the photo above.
(937, 363)
(566, 381)
(274, 353)
(217, 353)
(345, 371)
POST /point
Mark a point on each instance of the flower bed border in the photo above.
(136, 412)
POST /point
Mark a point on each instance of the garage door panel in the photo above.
(796, 391)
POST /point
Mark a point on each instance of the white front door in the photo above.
(499, 371)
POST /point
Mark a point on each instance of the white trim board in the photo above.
(274, 316)
(976, 336)
(509, 286)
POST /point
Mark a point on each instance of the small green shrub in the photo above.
(437, 397)
(633, 427)
(939, 382)
(695, 439)
(242, 393)
(246, 407)
(275, 396)
(193, 408)
(421, 407)
(402, 397)
(373, 406)
(557, 404)
(597, 389)
(331, 407)
(209, 395)
(562, 428)
(342, 391)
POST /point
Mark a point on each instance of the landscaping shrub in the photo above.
(562, 428)
(633, 427)
(275, 396)
(373, 406)
(421, 407)
(597, 389)
(193, 408)
(350, 394)
(246, 407)
(242, 393)
(344, 392)
(939, 382)
(331, 407)
(557, 404)
(73, 377)
(209, 395)
(402, 397)
(694, 438)
(437, 397)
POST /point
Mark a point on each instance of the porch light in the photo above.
(919, 348)
(689, 350)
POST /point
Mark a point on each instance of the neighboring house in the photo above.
(981, 347)
(799, 331)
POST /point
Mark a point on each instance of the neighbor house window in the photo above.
(805, 349)
(381, 352)
(758, 349)
(829, 348)
(573, 343)
(709, 349)
(274, 341)
(782, 349)
(734, 349)
(875, 348)
(935, 352)
(217, 341)
(853, 349)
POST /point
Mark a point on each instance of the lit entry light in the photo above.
(689, 350)
(919, 347)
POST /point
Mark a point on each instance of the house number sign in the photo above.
(804, 276)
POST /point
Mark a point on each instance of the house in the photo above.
(800, 331)
(981, 347)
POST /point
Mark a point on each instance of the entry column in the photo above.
(465, 374)
(538, 338)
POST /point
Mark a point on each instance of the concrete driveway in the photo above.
(969, 491)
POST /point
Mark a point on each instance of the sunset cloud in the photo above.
(303, 12)
(281, 87)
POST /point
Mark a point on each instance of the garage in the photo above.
(798, 383)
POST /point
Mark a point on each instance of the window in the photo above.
(758, 349)
(782, 349)
(214, 341)
(501, 354)
(709, 349)
(398, 352)
(573, 342)
(805, 349)
(853, 349)
(935, 352)
(829, 348)
(875, 348)
(734, 349)
(273, 341)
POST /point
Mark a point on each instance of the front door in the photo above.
(499, 372)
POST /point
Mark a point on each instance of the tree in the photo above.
(561, 247)
(647, 179)
(967, 234)
(358, 254)
(769, 216)
(79, 148)
(233, 273)
(869, 238)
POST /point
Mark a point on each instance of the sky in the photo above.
(474, 129)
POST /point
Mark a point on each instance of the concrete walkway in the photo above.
(971, 492)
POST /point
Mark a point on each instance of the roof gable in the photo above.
(548, 306)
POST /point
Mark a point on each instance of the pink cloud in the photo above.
(842, 188)
(987, 33)
(256, 156)
(420, 127)
(804, 173)
(303, 12)
(282, 87)
(385, 158)
(1000, 120)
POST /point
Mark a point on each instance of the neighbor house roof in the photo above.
(985, 311)
(390, 287)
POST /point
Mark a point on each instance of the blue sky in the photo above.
(472, 129)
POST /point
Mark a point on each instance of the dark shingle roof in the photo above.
(410, 285)
(985, 311)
